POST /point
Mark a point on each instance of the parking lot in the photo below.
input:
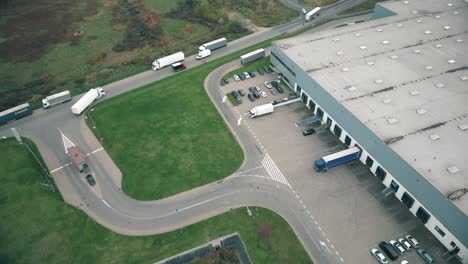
(346, 201)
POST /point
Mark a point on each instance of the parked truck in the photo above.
(252, 56)
(312, 14)
(87, 100)
(336, 159)
(261, 110)
(168, 60)
(15, 113)
(212, 45)
(55, 99)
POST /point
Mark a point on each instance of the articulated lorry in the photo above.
(15, 113)
(55, 99)
(212, 45)
(252, 56)
(261, 110)
(168, 60)
(336, 159)
(312, 14)
(87, 99)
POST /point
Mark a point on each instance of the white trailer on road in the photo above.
(212, 45)
(87, 100)
(168, 60)
(55, 99)
(312, 14)
(251, 56)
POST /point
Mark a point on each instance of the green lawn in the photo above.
(314, 3)
(38, 227)
(162, 6)
(367, 5)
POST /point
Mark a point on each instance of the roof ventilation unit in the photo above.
(447, 27)
(463, 127)
(352, 88)
(414, 92)
(453, 169)
(438, 46)
(339, 53)
(394, 57)
(363, 47)
(399, 25)
(464, 78)
(417, 51)
(370, 63)
(455, 12)
(419, 20)
(434, 137)
(437, 17)
(345, 69)
(427, 32)
(385, 42)
(379, 30)
(451, 61)
(450, 4)
(421, 111)
(392, 120)
(386, 100)
(336, 39)
(414, 12)
(428, 67)
(378, 81)
(440, 85)
(406, 2)
(459, 40)
(358, 34)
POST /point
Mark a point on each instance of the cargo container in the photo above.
(15, 113)
(312, 14)
(168, 60)
(252, 56)
(261, 110)
(212, 45)
(336, 159)
(55, 99)
(87, 100)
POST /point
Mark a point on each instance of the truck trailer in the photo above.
(336, 159)
(87, 100)
(261, 110)
(312, 14)
(212, 45)
(15, 113)
(55, 99)
(251, 56)
(168, 60)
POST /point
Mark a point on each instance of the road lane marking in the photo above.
(224, 99)
(273, 170)
(68, 164)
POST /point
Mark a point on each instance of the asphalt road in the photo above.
(112, 208)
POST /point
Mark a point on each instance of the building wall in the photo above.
(303, 84)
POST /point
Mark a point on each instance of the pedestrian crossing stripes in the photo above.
(273, 170)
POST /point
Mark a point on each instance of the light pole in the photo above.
(94, 125)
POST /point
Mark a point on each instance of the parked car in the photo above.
(274, 83)
(90, 180)
(246, 74)
(267, 69)
(252, 74)
(398, 246)
(308, 132)
(389, 250)
(268, 85)
(256, 94)
(273, 91)
(257, 88)
(236, 77)
(251, 97)
(252, 89)
(235, 94)
(260, 71)
(425, 256)
(405, 243)
(379, 256)
(225, 81)
(412, 240)
(242, 76)
(263, 94)
(280, 90)
(241, 92)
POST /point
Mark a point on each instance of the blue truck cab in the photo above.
(336, 159)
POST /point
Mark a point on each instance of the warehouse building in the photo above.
(397, 87)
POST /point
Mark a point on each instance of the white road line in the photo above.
(341, 259)
(68, 164)
(224, 99)
(273, 170)
(96, 150)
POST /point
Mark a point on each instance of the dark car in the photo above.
(251, 97)
(252, 74)
(225, 81)
(256, 94)
(267, 69)
(308, 132)
(260, 71)
(425, 256)
(388, 249)
(274, 83)
(241, 92)
(90, 180)
(235, 94)
(242, 76)
(280, 90)
(252, 89)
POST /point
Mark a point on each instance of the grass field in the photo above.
(314, 3)
(38, 227)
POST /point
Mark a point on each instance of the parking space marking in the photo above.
(273, 170)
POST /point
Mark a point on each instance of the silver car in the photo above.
(379, 256)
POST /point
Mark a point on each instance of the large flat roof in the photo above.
(406, 78)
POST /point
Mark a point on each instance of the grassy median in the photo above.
(38, 227)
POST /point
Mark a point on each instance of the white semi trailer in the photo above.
(55, 99)
(212, 45)
(251, 56)
(87, 100)
(168, 60)
(261, 110)
(312, 14)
